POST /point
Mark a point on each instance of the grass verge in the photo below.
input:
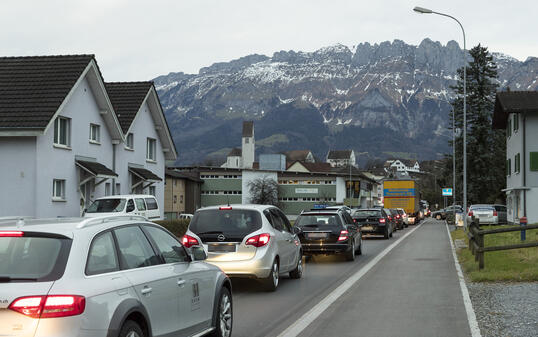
(516, 265)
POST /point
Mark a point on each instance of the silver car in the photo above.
(249, 241)
(101, 277)
(488, 214)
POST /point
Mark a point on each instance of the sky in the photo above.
(140, 40)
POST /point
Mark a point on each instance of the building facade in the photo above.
(341, 158)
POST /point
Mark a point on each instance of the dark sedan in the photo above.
(329, 231)
(373, 221)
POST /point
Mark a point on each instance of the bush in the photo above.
(178, 227)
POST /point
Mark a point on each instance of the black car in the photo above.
(373, 221)
(329, 231)
(398, 220)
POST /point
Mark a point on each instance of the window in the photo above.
(118, 189)
(517, 166)
(175, 199)
(58, 189)
(152, 190)
(516, 122)
(181, 199)
(170, 249)
(129, 141)
(107, 189)
(533, 161)
(151, 149)
(135, 248)
(247, 140)
(95, 133)
(62, 131)
(140, 204)
(102, 256)
(508, 167)
(151, 203)
(278, 222)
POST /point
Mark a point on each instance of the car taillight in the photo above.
(225, 208)
(397, 216)
(389, 218)
(49, 306)
(259, 240)
(470, 213)
(354, 220)
(188, 241)
(382, 220)
(343, 235)
(11, 234)
(494, 213)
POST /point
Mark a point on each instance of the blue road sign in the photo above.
(447, 192)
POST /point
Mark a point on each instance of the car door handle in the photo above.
(146, 291)
(181, 283)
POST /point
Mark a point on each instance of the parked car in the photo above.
(404, 216)
(248, 241)
(441, 214)
(396, 216)
(136, 204)
(488, 214)
(373, 221)
(329, 231)
(109, 276)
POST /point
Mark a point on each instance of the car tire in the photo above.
(298, 271)
(359, 250)
(270, 283)
(131, 329)
(350, 255)
(387, 234)
(224, 319)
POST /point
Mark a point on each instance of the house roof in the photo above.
(126, 98)
(317, 167)
(144, 174)
(32, 88)
(339, 154)
(248, 129)
(235, 152)
(508, 102)
(96, 169)
(297, 155)
(192, 176)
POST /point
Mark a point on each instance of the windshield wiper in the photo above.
(5, 279)
(210, 232)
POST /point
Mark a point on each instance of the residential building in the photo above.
(300, 155)
(517, 112)
(61, 138)
(402, 165)
(181, 193)
(341, 158)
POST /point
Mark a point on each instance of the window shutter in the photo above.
(533, 161)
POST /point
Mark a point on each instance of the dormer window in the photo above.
(62, 131)
(95, 134)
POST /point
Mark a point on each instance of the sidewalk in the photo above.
(413, 291)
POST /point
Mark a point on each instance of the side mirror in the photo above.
(296, 230)
(198, 253)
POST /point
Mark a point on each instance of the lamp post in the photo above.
(429, 11)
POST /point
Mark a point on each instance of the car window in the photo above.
(229, 222)
(365, 213)
(171, 250)
(134, 248)
(102, 256)
(347, 218)
(106, 206)
(319, 220)
(151, 203)
(140, 204)
(278, 223)
(130, 206)
(285, 221)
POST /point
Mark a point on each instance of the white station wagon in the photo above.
(107, 277)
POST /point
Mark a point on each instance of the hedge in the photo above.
(178, 227)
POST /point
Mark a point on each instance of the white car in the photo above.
(248, 241)
(136, 204)
(111, 276)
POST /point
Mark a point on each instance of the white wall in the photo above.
(340, 189)
(248, 151)
(17, 176)
(247, 177)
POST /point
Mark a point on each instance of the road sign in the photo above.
(447, 192)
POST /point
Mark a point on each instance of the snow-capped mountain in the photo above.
(381, 99)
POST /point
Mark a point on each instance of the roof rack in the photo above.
(100, 220)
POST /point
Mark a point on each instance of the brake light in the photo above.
(343, 235)
(494, 213)
(259, 240)
(15, 234)
(225, 208)
(354, 220)
(49, 306)
(470, 213)
(382, 220)
(389, 218)
(397, 216)
(188, 241)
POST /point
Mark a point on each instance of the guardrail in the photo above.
(476, 240)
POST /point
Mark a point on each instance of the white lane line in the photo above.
(471, 316)
(302, 323)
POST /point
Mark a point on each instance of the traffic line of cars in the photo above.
(122, 275)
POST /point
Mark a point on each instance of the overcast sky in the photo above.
(139, 40)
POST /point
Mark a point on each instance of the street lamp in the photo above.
(429, 11)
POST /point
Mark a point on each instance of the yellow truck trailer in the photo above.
(403, 194)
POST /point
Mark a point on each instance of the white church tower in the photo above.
(247, 144)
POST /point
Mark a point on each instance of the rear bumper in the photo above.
(324, 248)
(373, 229)
(257, 267)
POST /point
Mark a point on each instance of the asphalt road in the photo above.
(412, 291)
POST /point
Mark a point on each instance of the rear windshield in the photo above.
(235, 222)
(482, 208)
(106, 206)
(32, 258)
(319, 220)
(366, 213)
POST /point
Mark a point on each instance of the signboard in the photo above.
(320, 206)
(306, 190)
(447, 192)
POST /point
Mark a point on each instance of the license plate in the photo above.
(316, 235)
(367, 228)
(221, 248)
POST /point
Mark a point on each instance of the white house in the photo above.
(341, 158)
(401, 165)
(62, 141)
(517, 112)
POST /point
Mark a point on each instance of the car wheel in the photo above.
(298, 271)
(224, 320)
(131, 329)
(391, 232)
(271, 282)
(387, 234)
(359, 250)
(350, 255)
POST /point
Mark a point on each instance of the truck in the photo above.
(403, 194)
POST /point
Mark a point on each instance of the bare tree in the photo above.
(264, 191)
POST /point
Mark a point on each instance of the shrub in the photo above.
(178, 227)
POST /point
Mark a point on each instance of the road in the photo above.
(412, 291)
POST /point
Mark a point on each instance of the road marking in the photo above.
(471, 316)
(302, 323)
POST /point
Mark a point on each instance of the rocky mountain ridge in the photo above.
(380, 99)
